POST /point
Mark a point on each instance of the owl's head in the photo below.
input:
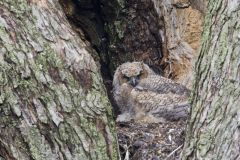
(131, 73)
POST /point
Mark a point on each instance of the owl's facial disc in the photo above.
(134, 80)
(131, 73)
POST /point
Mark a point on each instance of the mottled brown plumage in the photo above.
(144, 96)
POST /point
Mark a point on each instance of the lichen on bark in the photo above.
(213, 131)
(53, 102)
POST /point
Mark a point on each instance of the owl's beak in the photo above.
(133, 81)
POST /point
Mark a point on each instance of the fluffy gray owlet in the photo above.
(142, 95)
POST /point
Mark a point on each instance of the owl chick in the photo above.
(142, 95)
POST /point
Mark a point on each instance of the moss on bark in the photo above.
(213, 128)
(53, 101)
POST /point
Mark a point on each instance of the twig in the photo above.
(173, 152)
(127, 155)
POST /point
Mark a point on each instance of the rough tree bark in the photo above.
(214, 129)
(53, 104)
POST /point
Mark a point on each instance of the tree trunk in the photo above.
(214, 131)
(53, 104)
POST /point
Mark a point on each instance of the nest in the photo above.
(151, 141)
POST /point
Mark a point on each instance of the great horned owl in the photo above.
(143, 95)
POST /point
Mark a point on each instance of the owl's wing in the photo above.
(162, 85)
(169, 106)
(121, 96)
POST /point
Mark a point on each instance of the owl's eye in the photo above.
(126, 77)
